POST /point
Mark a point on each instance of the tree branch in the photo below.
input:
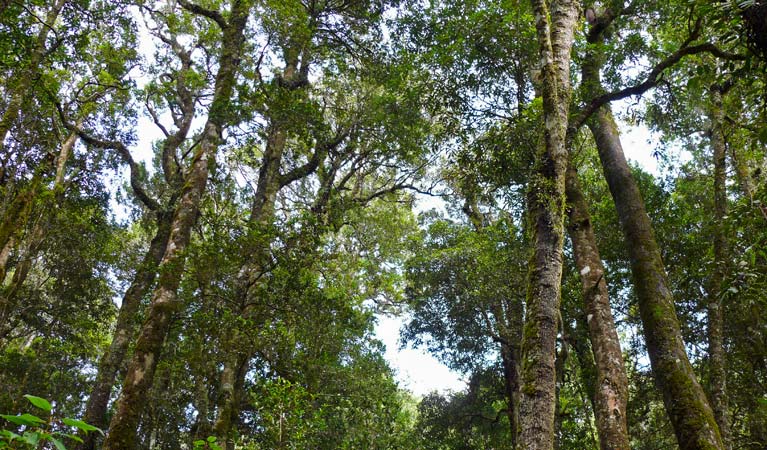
(311, 165)
(209, 13)
(122, 150)
(651, 80)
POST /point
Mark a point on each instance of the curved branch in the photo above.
(209, 13)
(651, 80)
(121, 149)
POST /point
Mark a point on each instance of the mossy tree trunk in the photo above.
(164, 303)
(716, 355)
(125, 328)
(684, 399)
(611, 387)
(146, 273)
(546, 199)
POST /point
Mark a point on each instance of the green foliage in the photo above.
(206, 444)
(36, 432)
(372, 99)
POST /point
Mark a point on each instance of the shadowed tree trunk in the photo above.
(546, 198)
(611, 387)
(685, 401)
(125, 327)
(164, 304)
(717, 360)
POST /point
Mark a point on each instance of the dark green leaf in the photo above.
(59, 445)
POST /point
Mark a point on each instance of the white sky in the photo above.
(421, 373)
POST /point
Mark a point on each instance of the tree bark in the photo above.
(685, 401)
(611, 391)
(19, 218)
(510, 361)
(125, 329)
(546, 211)
(164, 304)
(255, 265)
(716, 355)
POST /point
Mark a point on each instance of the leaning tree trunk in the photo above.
(164, 304)
(125, 327)
(717, 360)
(17, 219)
(546, 199)
(686, 403)
(611, 390)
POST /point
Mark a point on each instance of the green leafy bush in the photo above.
(41, 433)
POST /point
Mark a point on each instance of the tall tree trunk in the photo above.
(125, 328)
(611, 391)
(238, 350)
(27, 75)
(257, 256)
(511, 388)
(546, 201)
(30, 245)
(685, 401)
(717, 360)
(164, 304)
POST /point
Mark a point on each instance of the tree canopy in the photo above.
(206, 206)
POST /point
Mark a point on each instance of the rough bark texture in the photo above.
(139, 378)
(717, 360)
(685, 401)
(611, 390)
(125, 328)
(546, 212)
